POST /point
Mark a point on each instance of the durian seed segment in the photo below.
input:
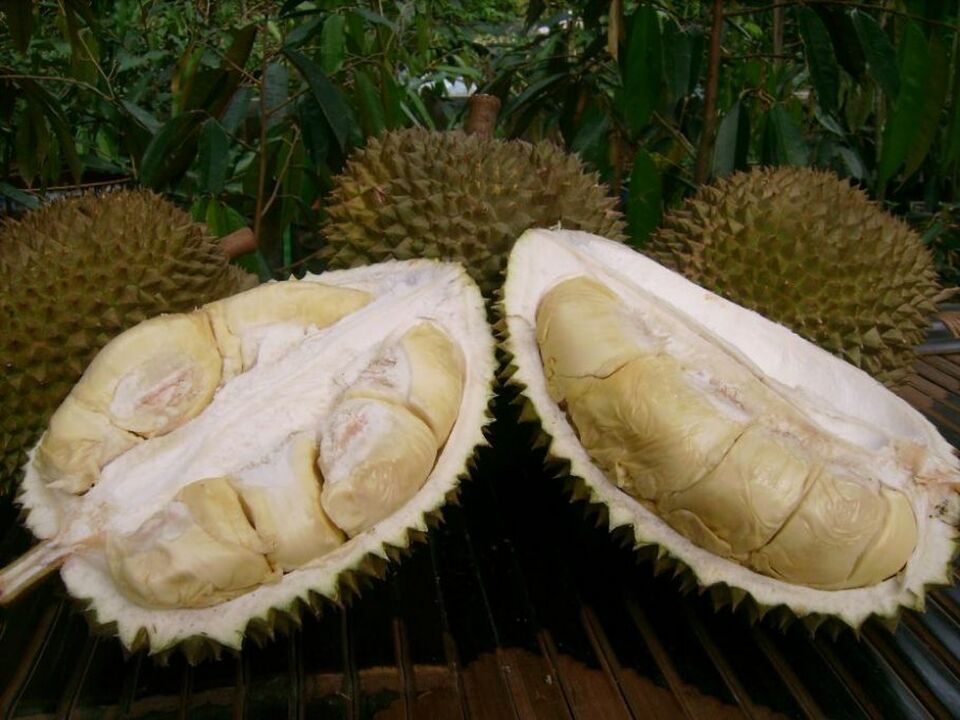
(198, 550)
(753, 458)
(712, 442)
(146, 382)
(163, 372)
(252, 452)
(380, 442)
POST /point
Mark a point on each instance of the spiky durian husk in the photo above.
(76, 273)
(415, 193)
(806, 249)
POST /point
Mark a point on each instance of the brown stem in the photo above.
(262, 175)
(239, 242)
(705, 149)
(779, 21)
(482, 113)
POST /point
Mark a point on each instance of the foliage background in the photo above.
(244, 111)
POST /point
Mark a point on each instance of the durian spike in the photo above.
(34, 565)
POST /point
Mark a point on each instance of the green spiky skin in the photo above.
(416, 193)
(75, 274)
(806, 249)
(722, 596)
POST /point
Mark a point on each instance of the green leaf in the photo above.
(640, 68)
(214, 150)
(785, 142)
(332, 43)
(213, 89)
(375, 18)
(302, 33)
(677, 60)
(84, 56)
(879, 52)
(392, 96)
(934, 97)
(236, 111)
(315, 131)
(19, 14)
(733, 141)
(31, 143)
(172, 149)
(276, 91)
(31, 202)
(329, 99)
(907, 112)
(952, 152)
(142, 116)
(645, 204)
(820, 58)
(368, 104)
(54, 114)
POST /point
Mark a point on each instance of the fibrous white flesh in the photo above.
(262, 428)
(874, 439)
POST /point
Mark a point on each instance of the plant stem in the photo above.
(262, 175)
(705, 149)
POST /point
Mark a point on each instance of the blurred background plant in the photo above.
(244, 110)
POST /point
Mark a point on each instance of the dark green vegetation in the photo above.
(246, 110)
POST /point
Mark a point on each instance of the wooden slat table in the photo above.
(515, 608)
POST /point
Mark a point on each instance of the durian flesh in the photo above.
(213, 467)
(753, 457)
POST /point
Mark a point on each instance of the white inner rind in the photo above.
(837, 396)
(292, 387)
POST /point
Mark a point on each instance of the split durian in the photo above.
(213, 469)
(76, 273)
(759, 462)
(415, 193)
(806, 249)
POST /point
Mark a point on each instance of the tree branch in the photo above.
(705, 149)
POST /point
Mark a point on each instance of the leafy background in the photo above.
(244, 111)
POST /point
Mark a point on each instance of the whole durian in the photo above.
(76, 273)
(748, 460)
(808, 250)
(416, 193)
(216, 472)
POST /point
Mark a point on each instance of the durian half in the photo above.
(754, 459)
(216, 470)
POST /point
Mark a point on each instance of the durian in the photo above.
(415, 193)
(762, 464)
(76, 273)
(806, 249)
(216, 470)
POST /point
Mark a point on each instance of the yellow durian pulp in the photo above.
(723, 458)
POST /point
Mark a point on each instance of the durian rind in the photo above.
(727, 583)
(806, 249)
(416, 193)
(334, 578)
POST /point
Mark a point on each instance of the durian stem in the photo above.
(31, 567)
(239, 242)
(482, 111)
